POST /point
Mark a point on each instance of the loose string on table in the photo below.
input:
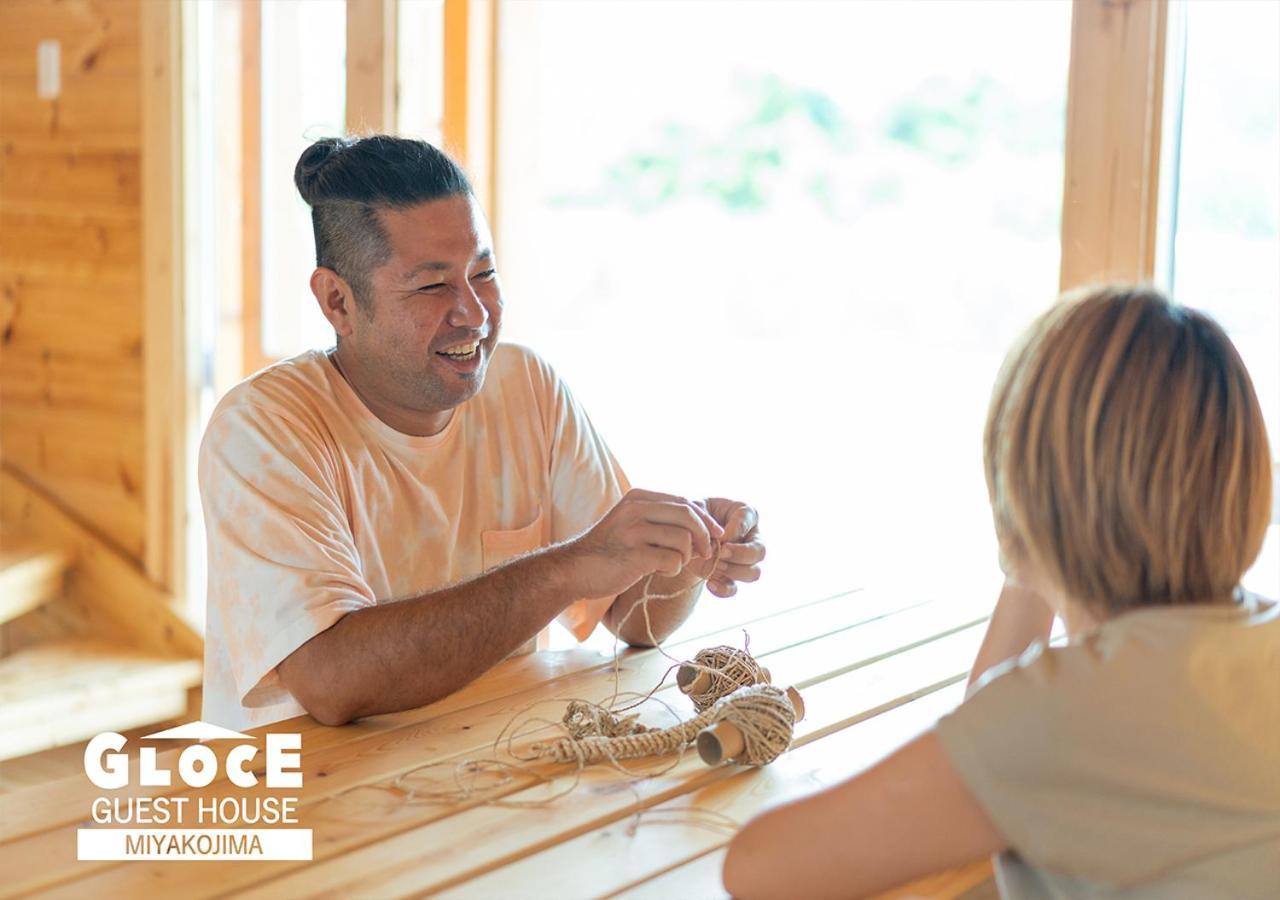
(604, 733)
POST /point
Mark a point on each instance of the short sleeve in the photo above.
(282, 561)
(586, 482)
(1002, 742)
(1074, 753)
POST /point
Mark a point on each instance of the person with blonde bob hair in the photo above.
(1129, 474)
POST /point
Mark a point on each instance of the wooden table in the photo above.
(873, 670)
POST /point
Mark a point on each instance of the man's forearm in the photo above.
(412, 652)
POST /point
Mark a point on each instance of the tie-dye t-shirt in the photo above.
(314, 508)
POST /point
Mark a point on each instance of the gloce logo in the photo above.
(196, 823)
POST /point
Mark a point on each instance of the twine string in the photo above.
(606, 733)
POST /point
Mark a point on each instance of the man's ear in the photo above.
(336, 299)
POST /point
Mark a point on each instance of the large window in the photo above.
(1221, 228)
(303, 94)
(420, 75)
(777, 248)
(781, 257)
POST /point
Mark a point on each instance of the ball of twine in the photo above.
(766, 718)
(728, 669)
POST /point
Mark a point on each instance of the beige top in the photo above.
(1142, 761)
(314, 508)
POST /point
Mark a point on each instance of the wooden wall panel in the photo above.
(97, 36)
(71, 304)
(61, 182)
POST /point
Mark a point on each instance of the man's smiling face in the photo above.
(428, 327)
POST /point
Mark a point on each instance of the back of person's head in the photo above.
(346, 181)
(1126, 454)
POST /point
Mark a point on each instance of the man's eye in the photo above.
(431, 288)
(486, 275)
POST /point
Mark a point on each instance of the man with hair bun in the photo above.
(390, 518)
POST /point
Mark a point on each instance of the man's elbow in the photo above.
(328, 712)
(325, 706)
(306, 676)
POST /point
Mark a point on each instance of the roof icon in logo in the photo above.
(197, 731)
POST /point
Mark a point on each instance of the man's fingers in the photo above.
(686, 516)
(745, 554)
(714, 528)
(742, 522)
(733, 524)
(735, 572)
(698, 509)
(641, 494)
(721, 587)
(669, 537)
(739, 519)
(666, 561)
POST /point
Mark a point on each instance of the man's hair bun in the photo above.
(308, 173)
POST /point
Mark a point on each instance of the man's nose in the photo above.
(468, 311)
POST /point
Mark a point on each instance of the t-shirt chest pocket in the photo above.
(498, 546)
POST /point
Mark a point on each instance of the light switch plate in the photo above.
(48, 69)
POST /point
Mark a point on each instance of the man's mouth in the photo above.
(461, 352)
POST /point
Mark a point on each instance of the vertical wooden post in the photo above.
(251, 186)
(229, 69)
(457, 16)
(470, 93)
(371, 66)
(490, 61)
(1112, 171)
(164, 321)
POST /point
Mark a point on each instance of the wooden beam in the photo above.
(1112, 169)
(371, 66)
(164, 341)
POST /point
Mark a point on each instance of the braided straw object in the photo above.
(763, 714)
(583, 719)
(717, 672)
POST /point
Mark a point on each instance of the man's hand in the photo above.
(646, 532)
(724, 547)
(741, 549)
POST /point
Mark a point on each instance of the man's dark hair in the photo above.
(346, 180)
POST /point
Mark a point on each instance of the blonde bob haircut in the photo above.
(1126, 455)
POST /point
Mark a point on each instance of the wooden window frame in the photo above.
(371, 66)
(253, 355)
(471, 32)
(165, 363)
(1111, 179)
